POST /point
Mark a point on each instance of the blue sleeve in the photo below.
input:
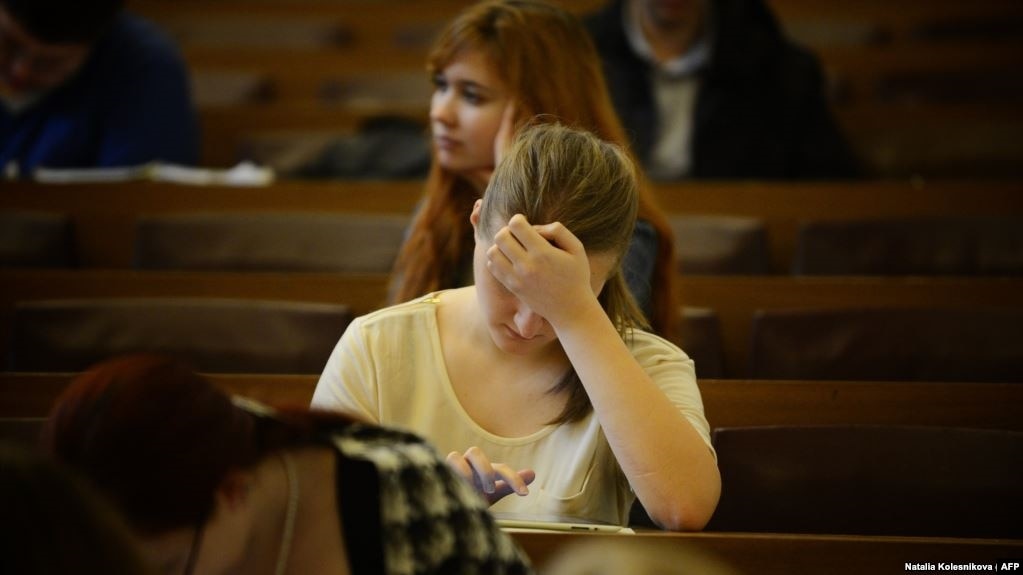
(150, 115)
(639, 262)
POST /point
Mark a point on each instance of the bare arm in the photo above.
(664, 458)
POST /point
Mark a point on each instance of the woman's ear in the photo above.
(474, 217)
(234, 489)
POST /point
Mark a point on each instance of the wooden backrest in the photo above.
(726, 245)
(737, 300)
(734, 299)
(870, 480)
(700, 338)
(912, 344)
(21, 430)
(219, 335)
(104, 215)
(727, 403)
(36, 239)
(910, 69)
(279, 241)
(784, 554)
(911, 246)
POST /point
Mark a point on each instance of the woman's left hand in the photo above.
(545, 266)
(502, 141)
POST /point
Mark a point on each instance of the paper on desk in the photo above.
(243, 174)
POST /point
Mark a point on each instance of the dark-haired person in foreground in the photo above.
(84, 85)
(57, 523)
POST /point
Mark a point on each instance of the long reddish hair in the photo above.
(158, 439)
(522, 39)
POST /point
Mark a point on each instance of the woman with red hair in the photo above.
(499, 66)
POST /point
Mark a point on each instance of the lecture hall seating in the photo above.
(212, 334)
(104, 215)
(904, 480)
(734, 299)
(729, 403)
(896, 77)
(891, 71)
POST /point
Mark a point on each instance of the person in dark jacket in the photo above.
(86, 85)
(714, 89)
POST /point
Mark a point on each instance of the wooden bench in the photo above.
(874, 23)
(893, 139)
(237, 132)
(902, 69)
(858, 43)
(410, 26)
(854, 75)
(728, 403)
(924, 52)
(734, 299)
(359, 25)
(104, 214)
(798, 403)
(781, 554)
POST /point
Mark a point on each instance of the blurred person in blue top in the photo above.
(84, 85)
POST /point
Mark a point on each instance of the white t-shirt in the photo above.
(389, 368)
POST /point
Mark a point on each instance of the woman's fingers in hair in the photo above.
(558, 235)
(509, 261)
(542, 265)
(522, 247)
(538, 238)
(516, 238)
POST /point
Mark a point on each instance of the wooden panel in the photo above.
(728, 403)
(742, 403)
(876, 60)
(778, 554)
(33, 394)
(784, 206)
(363, 292)
(104, 213)
(734, 298)
(227, 131)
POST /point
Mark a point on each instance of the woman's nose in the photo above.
(441, 108)
(529, 323)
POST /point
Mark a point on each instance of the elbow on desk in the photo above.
(681, 520)
(689, 511)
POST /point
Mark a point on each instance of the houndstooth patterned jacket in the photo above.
(428, 519)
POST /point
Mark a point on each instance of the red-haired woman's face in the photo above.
(466, 109)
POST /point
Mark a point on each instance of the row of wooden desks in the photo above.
(728, 403)
(787, 554)
(735, 299)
